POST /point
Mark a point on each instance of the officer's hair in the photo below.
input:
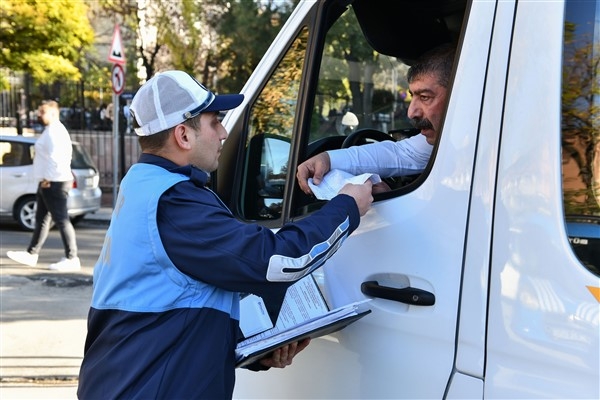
(156, 142)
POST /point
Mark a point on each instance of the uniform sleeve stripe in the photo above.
(286, 269)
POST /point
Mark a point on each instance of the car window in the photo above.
(81, 158)
(14, 154)
(346, 88)
(362, 96)
(358, 87)
(581, 130)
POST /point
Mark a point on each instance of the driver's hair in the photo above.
(437, 61)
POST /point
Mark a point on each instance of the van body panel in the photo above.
(464, 387)
(543, 322)
(470, 355)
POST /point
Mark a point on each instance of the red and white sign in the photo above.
(117, 78)
(117, 54)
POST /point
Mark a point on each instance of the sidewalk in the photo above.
(43, 332)
(43, 327)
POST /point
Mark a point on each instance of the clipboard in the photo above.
(313, 333)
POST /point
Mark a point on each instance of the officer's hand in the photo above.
(361, 194)
(283, 356)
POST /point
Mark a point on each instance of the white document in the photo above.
(304, 310)
(335, 180)
(303, 301)
(255, 306)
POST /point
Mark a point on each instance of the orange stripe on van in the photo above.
(595, 291)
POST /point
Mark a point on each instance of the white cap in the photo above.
(171, 97)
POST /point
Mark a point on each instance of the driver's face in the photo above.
(427, 105)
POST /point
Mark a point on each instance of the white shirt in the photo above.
(53, 151)
(405, 157)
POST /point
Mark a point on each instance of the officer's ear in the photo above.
(182, 136)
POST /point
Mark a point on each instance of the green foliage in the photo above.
(98, 86)
(246, 30)
(38, 39)
(219, 41)
(185, 29)
(274, 110)
(346, 42)
(4, 85)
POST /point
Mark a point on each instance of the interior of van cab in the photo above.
(421, 25)
(360, 93)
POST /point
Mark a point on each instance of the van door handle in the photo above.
(408, 295)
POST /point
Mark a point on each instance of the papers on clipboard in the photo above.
(304, 314)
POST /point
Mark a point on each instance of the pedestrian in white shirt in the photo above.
(52, 169)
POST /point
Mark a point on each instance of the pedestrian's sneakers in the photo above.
(23, 257)
(66, 265)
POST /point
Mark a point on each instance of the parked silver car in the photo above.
(18, 188)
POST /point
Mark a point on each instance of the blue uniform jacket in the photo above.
(165, 306)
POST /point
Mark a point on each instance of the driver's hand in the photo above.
(381, 187)
(315, 167)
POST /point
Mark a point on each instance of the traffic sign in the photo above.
(118, 79)
(116, 55)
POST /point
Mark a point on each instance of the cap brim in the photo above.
(224, 102)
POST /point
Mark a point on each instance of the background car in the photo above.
(17, 192)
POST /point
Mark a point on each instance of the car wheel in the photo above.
(25, 213)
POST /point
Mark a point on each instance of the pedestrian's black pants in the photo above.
(52, 205)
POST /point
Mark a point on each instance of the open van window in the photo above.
(354, 91)
(362, 96)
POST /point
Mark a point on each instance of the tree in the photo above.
(220, 41)
(140, 29)
(274, 110)
(190, 36)
(361, 62)
(36, 38)
(581, 123)
(245, 32)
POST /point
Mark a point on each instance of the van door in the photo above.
(414, 236)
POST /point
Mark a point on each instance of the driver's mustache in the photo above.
(421, 123)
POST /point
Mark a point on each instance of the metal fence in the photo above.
(100, 146)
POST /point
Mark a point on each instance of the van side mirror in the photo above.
(265, 176)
